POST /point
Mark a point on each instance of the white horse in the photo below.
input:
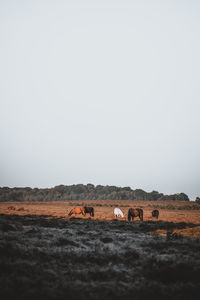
(118, 212)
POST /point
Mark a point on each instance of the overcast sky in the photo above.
(102, 92)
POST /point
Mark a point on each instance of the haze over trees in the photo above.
(84, 192)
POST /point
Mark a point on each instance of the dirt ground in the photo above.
(44, 254)
(61, 209)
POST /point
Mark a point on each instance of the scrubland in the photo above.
(45, 254)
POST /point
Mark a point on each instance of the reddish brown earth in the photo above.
(105, 212)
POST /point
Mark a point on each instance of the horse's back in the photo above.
(77, 210)
(133, 211)
(89, 209)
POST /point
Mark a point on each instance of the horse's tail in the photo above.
(141, 215)
(129, 215)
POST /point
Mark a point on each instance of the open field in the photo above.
(45, 254)
(104, 211)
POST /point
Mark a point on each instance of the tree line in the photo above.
(84, 192)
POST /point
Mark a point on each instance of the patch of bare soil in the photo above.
(104, 211)
(51, 257)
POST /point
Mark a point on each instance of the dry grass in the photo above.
(104, 211)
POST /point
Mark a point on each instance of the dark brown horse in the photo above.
(155, 213)
(89, 210)
(77, 210)
(135, 212)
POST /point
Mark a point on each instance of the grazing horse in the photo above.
(118, 212)
(77, 211)
(135, 212)
(155, 213)
(89, 210)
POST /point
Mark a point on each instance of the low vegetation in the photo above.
(98, 204)
(85, 259)
(175, 207)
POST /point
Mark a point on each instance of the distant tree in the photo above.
(198, 200)
(156, 195)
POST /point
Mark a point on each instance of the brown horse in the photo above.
(77, 211)
(89, 210)
(155, 213)
(135, 212)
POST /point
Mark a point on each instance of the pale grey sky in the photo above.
(102, 92)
